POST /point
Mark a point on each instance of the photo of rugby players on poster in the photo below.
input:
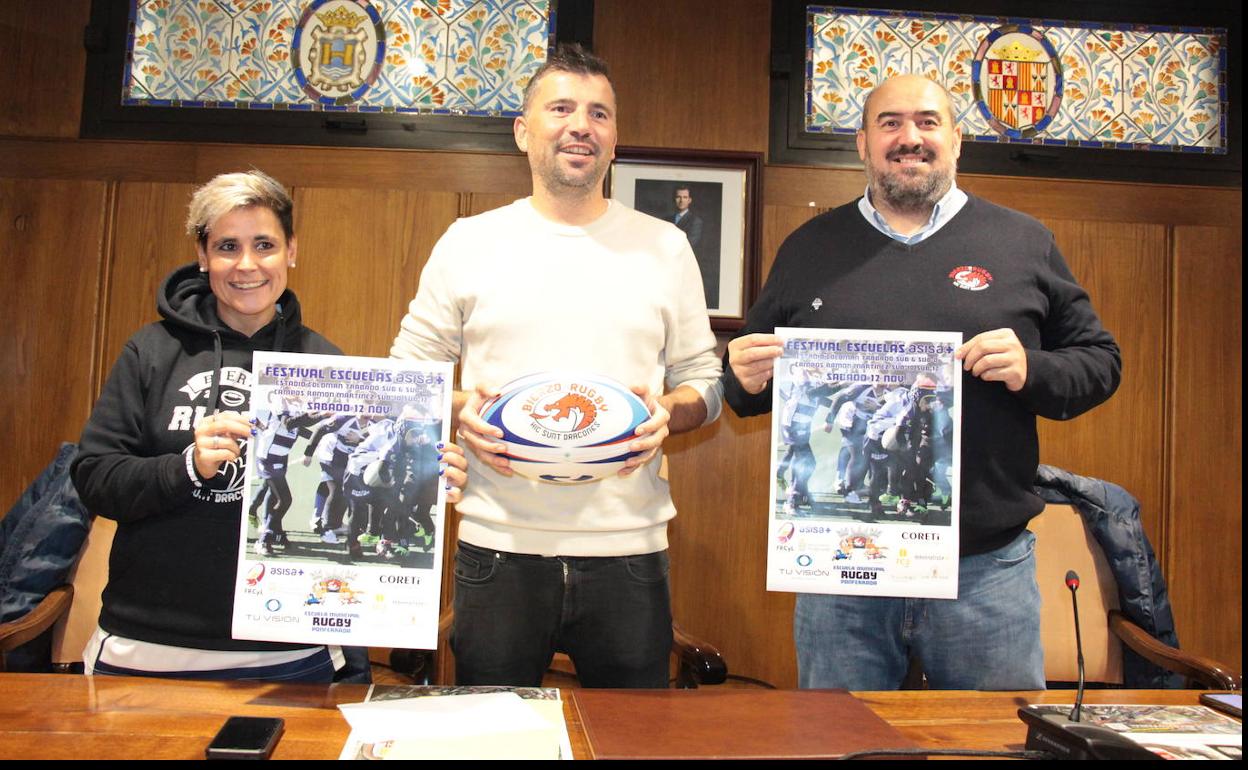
(865, 439)
(344, 498)
(375, 491)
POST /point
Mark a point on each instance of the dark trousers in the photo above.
(800, 459)
(365, 506)
(513, 612)
(331, 515)
(277, 500)
(418, 499)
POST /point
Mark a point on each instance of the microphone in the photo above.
(1072, 582)
(1067, 737)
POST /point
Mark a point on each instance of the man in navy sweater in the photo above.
(917, 253)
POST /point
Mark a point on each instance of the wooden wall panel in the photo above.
(1204, 559)
(1042, 198)
(812, 187)
(425, 171)
(1124, 269)
(479, 203)
(52, 236)
(372, 169)
(718, 548)
(149, 241)
(687, 73)
(360, 257)
(718, 540)
(44, 62)
(1109, 201)
(778, 223)
(113, 161)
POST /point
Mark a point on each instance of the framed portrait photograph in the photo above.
(714, 198)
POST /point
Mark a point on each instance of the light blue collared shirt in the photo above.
(944, 210)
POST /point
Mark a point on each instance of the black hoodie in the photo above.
(171, 572)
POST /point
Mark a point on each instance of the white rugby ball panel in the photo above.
(565, 409)
(566, 473)
(566, 427)
(567, 454)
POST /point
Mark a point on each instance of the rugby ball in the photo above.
(566, 427)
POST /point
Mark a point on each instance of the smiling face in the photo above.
(909, 144)
(246, 254)
(568, 132)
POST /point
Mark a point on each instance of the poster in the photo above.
(865, 449)
(405, 705)
(1171, 732)
(341, 535)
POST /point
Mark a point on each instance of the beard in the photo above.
(557, 179)
(905, 189)
(578, 181)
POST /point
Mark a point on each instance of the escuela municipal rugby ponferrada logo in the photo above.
(971, 278)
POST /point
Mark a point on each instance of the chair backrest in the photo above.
(1064, 543)
(88, 577)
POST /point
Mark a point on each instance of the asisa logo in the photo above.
(971, 278)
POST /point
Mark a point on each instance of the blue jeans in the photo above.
(513, 612)
(986, 639)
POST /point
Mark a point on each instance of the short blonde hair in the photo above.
(227, 192)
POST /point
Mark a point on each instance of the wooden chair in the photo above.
(15, 633)
(1063, 542)
(89, 576)
(72, 610)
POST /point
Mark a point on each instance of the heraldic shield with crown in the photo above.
(1018, 81)
(338, 50)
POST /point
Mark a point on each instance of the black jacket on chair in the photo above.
(40, 538)
(1113, 516)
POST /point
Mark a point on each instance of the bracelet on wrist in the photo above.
(190, 466)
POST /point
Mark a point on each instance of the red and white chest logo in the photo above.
(971, 278)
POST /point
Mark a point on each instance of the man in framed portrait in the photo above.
(689, 223)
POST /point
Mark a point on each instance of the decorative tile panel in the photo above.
(1078, 84)
(462, 57)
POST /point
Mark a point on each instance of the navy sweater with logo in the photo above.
(987, 268)
(172, 567)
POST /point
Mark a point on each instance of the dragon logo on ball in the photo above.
(567, 413)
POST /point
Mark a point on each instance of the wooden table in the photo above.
(989, 720)
(62, 716)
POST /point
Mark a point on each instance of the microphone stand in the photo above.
(1072, 582)
(1068, 738)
